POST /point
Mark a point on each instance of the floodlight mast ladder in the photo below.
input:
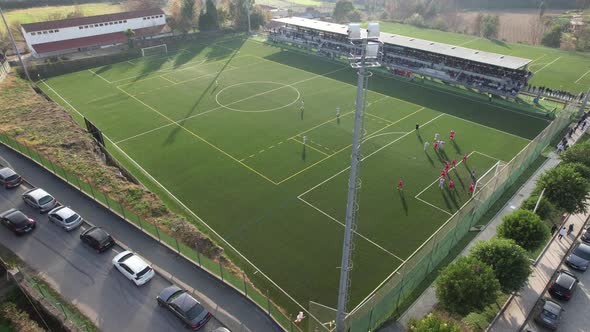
(366, 53)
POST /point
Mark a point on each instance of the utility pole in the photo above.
(15, 48)
(248, 3)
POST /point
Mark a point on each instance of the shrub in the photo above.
(434, 323)
(546, 210)
(525, 228)
(467, 285)
(565, 188)
(578, 153)
(20, 320)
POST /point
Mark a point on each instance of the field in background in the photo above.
(554, 68)
(37, 14)
(220, 126)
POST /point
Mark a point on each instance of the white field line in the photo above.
(434, 206)
(167, 79)
(539, 58)
(232, 103)
(582, 76)
(97, 74)
(147, 174)
(469, 41)
(436, 181)
(389, 133)
(363, 159)
(167, 70)
(355, 232)
(545, 66)
(494, 129)
(131, 62)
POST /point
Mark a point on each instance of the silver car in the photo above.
(579, 258)
(133, 267)
(65, 217)
(39, 199)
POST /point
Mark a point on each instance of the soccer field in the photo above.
(219, 125)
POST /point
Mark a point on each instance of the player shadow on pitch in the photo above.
(402, 198)
(429, 158)
(456, 146)
(419, 136)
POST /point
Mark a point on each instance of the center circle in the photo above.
(270, 88)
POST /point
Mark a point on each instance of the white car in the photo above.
(133, 267)
(39, 199)
(65, 217)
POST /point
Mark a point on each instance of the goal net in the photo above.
(487, 180)
(154, 50)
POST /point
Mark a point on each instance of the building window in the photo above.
(33, 33)
(125, 21)
(101, 24)
(56, 30)
(44, 32)
(80, 28)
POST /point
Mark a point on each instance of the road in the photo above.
(89, 280)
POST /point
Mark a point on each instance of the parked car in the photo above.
(549, 314)
(39, 199)
(65, 217)
(97, 238)
(585, 236)
(579, 258)
(9, 178)
(17, 221)
(133, 267)
(184, 306)
(221, 329)
(564, 285)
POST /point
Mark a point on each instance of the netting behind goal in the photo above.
(389, 297)
(154, 50)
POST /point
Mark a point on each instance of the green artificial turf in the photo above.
(553, 68)
(219, 125)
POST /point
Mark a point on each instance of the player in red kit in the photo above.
(454, 162)
(443, 174)
(465, 157)
(451, 184)
(471, 188)
(452, 135)
(435, 145)
(400, 184)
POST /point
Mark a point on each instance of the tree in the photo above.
(536, 29)
(583, 39)
(466, 285)
(478, 24)
(542, 8)
(552, 38)
(434, 323)
(129, 33)
(416, 20)
(525, 228)
(546, 210)
(208, 19)
(578, 153)
(565, 188)
(258, 17)
(355, 16)
(342, 9)
(187, 15)
(581, 169)
(490, 26)
(510, 262)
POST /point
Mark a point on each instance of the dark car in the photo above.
(549, 314)
(9, 178)
(564, 285)
(189, 310)
(97, 238)
(585, 236)
(579, 258)
(17, 221)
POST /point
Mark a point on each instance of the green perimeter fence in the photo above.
(250, 281)
(385, 300)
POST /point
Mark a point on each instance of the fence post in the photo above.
(106, 198)
(291, 322)
(62, 309)
(268, 302)
(91, 189)
(157, 230)
(198, 253)
(140, 223)
(370, 318)
(78, 182)
(221, 270)
(122, 210)
(177, 246)
(245, 284)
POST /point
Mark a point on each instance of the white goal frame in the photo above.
(143, 49)
(495, 169)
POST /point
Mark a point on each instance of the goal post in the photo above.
(483, 180)
(154, 50)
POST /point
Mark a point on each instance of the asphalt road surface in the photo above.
(90, 281)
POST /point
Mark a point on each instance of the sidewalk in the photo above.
(516, 313)
(427, 301)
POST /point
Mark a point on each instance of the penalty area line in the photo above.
(355, 232)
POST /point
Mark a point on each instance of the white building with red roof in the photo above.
(53, 38)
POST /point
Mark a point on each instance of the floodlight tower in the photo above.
(15, 47)
(366, 52)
